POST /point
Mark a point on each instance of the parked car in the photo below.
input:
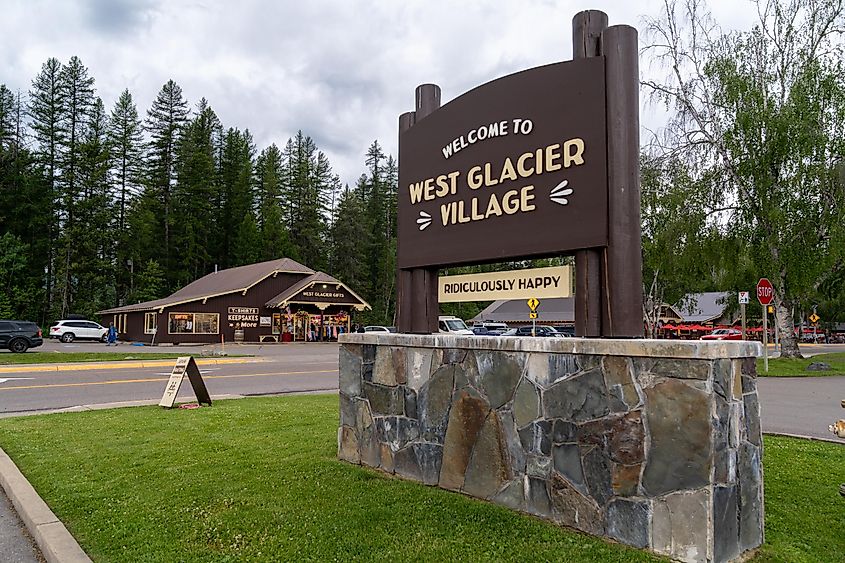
(811, 336)
(70, 330)
(378, 328)
(493, 329)
(453, 325)
(19, 336)
(566, 331)
(541, 330)
(479, 330)
(723, 334)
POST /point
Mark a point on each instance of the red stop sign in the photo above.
(765, 291)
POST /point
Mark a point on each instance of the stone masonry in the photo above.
(652, 443)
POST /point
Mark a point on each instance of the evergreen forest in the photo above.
(101, 207)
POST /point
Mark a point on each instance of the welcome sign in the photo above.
(514, 168)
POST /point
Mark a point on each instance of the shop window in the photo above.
(181, 323)
(150, 323)
(193, 323)
(206, 323)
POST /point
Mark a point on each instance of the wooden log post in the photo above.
(404, 308)
(417, 299)
(623, 272)
(587, 27)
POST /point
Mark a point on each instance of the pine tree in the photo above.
(309, 184)
(195, 195)
(13, 269)
(25, 215)
(165, 119)
(95, 227)
(125, 136)
(8, 111)
(47, 106)
(237, 189)
(275, 240)
(150, 284)
(348, 230)
(78, 89)
(247, 243)
(378, 193)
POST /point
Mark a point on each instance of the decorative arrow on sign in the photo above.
(424, 220)
(560, 192)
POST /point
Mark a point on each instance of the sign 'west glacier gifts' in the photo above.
(514, 168)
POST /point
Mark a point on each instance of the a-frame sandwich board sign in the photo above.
(185, 365)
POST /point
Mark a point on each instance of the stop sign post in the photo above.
(765, 294)
(765, 291)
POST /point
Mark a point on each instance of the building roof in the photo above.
(552, 310)
(217, 283)
(703, 307)
(289, 295)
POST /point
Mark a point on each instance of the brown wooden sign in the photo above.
(185, 365)
(539, 163)
(324, 293)
(514, 168)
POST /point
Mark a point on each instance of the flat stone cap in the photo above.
(639, 347)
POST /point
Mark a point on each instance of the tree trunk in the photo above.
(788, 340)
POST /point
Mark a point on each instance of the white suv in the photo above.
(68, 331)
(453, 325)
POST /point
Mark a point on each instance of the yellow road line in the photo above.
(159, 379)
(81, 366)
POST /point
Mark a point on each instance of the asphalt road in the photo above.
(800, 405)
(789, 405)
(276, 369)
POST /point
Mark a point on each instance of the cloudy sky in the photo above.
(342, 71)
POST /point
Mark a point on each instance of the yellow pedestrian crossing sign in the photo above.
(533, 303)
(814, 318)
(532, 315)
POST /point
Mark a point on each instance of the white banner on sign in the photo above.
(175, 382)
(185, 365)
(515, 284)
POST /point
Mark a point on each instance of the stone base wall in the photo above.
(655, 444)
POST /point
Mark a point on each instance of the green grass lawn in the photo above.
(258, 480)
(67, 357)
(790, 367)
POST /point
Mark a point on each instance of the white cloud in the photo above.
(341, 71)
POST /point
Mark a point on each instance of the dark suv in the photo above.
(19, 336)
(541, 330)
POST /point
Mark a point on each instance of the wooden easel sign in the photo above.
(185, 365)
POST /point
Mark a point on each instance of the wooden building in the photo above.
(558, 311)
(276, 301)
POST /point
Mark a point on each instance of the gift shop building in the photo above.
(276, 301)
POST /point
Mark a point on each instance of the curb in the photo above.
(804, 437)
(51, 536)
(81, 366)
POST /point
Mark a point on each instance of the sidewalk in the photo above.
(15, 544)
